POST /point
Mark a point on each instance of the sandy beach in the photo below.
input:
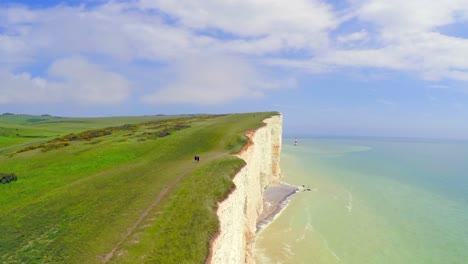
(274, 200)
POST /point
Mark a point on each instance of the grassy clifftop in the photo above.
(23, 129)
(117, 193)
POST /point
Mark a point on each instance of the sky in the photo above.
(334, 68)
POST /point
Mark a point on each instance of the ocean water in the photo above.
(371, 202)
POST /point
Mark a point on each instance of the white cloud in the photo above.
(414, 16)
(250, 17)
(438, 86)
(111, 29)
(23, 88)
(11, 45)
(259, 26)
(309, 65)
(432, 55)
(406, 39)
(13, 52)
(398, 35)
(387, 102)
(380, 58)
(89, 83)
(355, 36)
(70, 80)
(213, 80)
(127, 31)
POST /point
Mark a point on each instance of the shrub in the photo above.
(7, 177)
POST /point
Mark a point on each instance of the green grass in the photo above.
(24, 129)
(75, 204)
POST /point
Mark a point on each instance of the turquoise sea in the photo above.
(372, 201)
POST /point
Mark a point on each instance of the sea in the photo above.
(371, 201)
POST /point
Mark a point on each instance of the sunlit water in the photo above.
(371, 201)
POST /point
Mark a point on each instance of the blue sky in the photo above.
(352, 68)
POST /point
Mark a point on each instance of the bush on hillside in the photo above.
(165, 127)
(7, 177)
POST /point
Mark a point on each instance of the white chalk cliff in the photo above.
(239, 211)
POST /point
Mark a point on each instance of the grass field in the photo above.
(116, 193)
(23, 129)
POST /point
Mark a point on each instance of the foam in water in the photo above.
(263, 224)
(350, 202)
(373, 201)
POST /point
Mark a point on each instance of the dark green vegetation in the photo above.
(7, 177)
(23, 129)
(117, 190)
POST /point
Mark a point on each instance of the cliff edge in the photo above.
(238, 213)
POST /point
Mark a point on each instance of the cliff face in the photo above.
(238, 213)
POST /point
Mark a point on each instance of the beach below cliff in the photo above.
(239, 212)
(275, 198)
(359, 210)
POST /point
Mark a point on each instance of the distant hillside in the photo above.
(120, 190)
(24, 129)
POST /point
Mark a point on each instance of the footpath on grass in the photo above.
(127, 193)
(205, 159)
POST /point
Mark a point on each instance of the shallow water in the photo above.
(372, 201)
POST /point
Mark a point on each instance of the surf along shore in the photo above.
(258, 196)
(275, 199)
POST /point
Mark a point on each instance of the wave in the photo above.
(349, 206)
(287, 250)
(282, 205)
(328, 247)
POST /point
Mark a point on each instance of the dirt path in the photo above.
(204, 159)
(161, 195)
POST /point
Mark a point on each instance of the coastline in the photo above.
(238, 214)
(275, 198)
(321, 225)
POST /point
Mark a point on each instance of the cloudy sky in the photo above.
(336, 67)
